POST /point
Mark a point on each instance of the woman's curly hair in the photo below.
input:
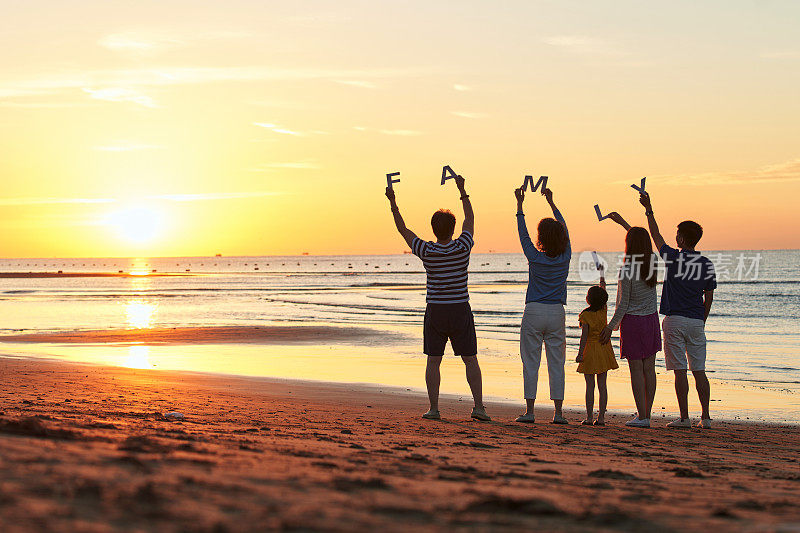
(552, 239)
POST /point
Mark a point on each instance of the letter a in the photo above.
(447, 173)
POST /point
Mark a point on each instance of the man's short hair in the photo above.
(691, 232)
(443, 223)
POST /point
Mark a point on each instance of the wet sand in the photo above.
(89, 448)
(34, 275)
(210, 335)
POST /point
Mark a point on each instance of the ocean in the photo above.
(753, 329)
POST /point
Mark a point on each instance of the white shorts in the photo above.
(684, 337)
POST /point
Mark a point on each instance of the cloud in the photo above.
(275, 128)
(317, 19)
(290, 165)
(124, 84)
(45, 104)
(402, 133)
(126, 146)
(782, 54)
(573, 41)
(358, 83)
(597, 52)
(54, 201)
(137, 42)
(147, 42)
(584, 45)
(469, 114)
(788, 171)
(215, 196)
(283, 104)
(280, 129)
(121, 94)
(162, 197)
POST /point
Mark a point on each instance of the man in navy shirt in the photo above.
(686, 300)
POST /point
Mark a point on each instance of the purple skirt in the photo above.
(639, 336)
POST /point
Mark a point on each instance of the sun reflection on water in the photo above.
(138, 357)
(140, 314)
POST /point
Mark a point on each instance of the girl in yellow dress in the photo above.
(595, 359)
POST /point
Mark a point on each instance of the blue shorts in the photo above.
(449, 321)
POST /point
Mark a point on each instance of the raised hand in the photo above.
(644, 199)
(390, 193)
(548, 194)
(460, 182)
(520, 194)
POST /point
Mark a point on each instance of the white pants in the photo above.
(543, 323)
(684, 337)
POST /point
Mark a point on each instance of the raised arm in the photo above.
(621, 308)
(407, 234)
(469, 216)
(528, 248)
(658, 240)
(616, 217)
(548, 194)
(602, 277)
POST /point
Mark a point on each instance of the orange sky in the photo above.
(250, 128)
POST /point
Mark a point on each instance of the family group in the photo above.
(686, 298)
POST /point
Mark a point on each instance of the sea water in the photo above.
(752, 332)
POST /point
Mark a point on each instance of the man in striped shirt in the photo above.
(448, 314)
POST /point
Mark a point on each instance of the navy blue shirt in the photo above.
(688, 275)
(547, 276)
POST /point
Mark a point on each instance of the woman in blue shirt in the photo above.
(544, 318)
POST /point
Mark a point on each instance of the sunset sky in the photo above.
(173, 128)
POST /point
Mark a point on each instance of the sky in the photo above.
(174, 128)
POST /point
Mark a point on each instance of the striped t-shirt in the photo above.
(446, 266)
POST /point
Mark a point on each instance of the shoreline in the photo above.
(544, 407)
(375, 355)
(191, 335)
(85, 446)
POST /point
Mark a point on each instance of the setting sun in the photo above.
(137, 224)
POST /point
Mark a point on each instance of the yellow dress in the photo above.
(597, 358)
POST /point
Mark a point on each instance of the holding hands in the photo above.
(605, 335)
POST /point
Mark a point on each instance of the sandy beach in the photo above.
(89, 448)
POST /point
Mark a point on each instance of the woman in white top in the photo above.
(636, 316)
